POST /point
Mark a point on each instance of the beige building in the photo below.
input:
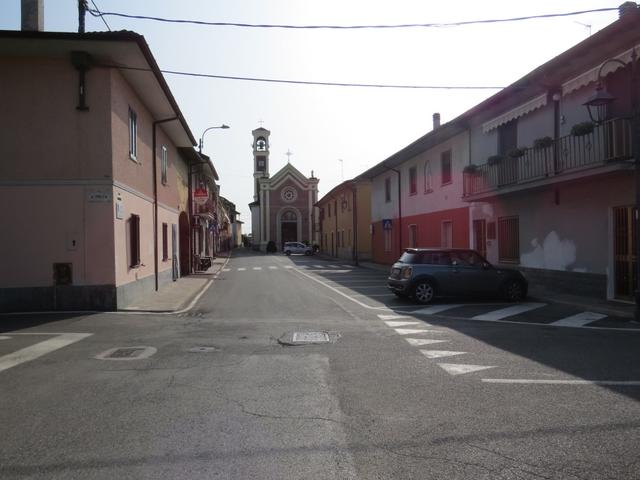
(93, 176)
(345, 218)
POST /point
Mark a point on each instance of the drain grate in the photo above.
(308, 338)
(127, 353)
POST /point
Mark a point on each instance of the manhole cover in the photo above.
(202, 349)
(127, 353)
(311, 337)
(307, 338)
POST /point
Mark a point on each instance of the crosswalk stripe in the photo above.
(413, 331)
(461, 369)
(435, 309)
(346, 266)
(288, 266)
(579, 319)
(401, 324)
(418, 342)
(226, 269)
(241, 269)
(440, 353)
(392, 317)
(508, 312)
(257, 268)
(273, 268)
(318, 266)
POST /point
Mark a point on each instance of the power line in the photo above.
(100, 15)
(307, 82)
(97, 13)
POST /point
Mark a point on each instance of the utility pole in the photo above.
(82, 10)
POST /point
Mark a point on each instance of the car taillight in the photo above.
(406, 272)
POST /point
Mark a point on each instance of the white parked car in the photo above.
(297, 247)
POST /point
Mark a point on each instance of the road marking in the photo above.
(508, 312)
(273, 268)
(579, 319)
(461, 369)
(241, 269)
(401, 324)
(39, 349)
(257, 268)
(440, 353)
(333, 266)
(319, 266)
(418, 342)
(413, 331)
(5, 338)
(346, 266)
(392, 317)
(289, 266)
(523, 381)
(435, 309)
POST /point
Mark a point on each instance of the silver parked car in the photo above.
(297, 247)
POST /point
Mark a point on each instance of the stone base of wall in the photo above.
(574, 283)
(127, 294)
(60, 298)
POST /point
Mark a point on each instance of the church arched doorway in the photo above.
(288, 227)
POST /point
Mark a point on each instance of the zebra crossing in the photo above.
(324, 268)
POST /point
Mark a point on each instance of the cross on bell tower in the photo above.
(288, 154)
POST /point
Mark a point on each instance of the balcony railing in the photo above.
(611, 141)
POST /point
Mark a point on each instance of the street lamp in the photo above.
(597, 107)
(202, 136)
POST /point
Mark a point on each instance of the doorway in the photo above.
(185, 254)
(624, 252)
(288, 228)
(480, 237)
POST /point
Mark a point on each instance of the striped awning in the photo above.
(517, 112)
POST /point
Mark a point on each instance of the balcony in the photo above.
(608, 143)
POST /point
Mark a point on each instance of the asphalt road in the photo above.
(395, 393)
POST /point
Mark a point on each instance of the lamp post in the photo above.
(206, 130)
(597, 107)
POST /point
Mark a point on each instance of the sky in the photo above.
(336, 132)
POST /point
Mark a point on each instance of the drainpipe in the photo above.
(355, 224)
(335, 242)
(399, 207)
(155, 198)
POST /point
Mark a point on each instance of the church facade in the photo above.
(283, 204)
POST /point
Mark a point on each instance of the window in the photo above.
(413, 236)
(134, 240)
(387, 189)
(427, 177)
(133, 134)
(447, 234)
(445, 163)
(349, 238)
(164, 161)
(387, 241)
(508, 240)
(329, 210)
(165, 242)
(413, 181)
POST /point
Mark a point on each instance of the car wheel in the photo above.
(514, 291)
(424, 292)
(307, 253)
(287, 253)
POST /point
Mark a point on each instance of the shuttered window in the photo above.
(134, 239)
(509, 240)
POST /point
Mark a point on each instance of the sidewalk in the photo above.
(178, 295)
(541, 294)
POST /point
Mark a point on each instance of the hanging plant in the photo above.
(495, 159)
(471, 169)
(542, 142)
(517, 152)
(583, 128)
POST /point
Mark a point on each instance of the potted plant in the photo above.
(581, 129)
(495, 159)
(517, 152)
(542, 142)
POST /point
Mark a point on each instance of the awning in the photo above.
(591, 76)
(517, 112)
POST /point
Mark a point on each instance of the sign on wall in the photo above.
(387, 224)
(200, 196)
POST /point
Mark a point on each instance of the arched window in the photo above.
(289, 217)
(261, 144)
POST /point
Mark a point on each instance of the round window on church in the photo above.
(289, 194)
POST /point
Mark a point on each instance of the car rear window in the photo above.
(411, 257)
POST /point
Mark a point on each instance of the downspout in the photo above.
(335, 243)
(399, 207)
(155, 198)
(355, 224)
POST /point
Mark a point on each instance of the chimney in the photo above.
(32, 15)
(436, 120)
(627, 9)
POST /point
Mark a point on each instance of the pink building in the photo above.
(95, 170)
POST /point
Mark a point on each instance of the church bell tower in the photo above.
(260, 158)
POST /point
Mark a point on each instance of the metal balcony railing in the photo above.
(611, 141)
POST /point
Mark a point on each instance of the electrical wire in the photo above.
(100, 15)
(306, 82)
(97, 13)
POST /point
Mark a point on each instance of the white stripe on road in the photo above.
(440, 353)
(508, 312)
(418, 342)
(435, 309)
(401, 324)
(346, 266)
(257, 268)
(579, 319)
(273, 268)
(226, 269)
(392, 317)
(289, 266)
(34, 351)
(414, 331)
(523, 381)
(241, 269)
(461, 369)
(319, 266)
